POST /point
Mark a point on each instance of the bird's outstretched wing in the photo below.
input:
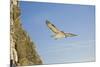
(70, 35)
(52, 27)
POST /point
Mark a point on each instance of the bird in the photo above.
(57, 33)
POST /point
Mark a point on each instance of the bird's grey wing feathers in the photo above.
(52, 27)
(70, 35)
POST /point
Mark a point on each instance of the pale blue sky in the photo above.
(77, 19)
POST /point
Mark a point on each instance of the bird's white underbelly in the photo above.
(59, 36)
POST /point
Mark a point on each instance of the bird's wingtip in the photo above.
(71, 35)
(74, 34)
(47, 21)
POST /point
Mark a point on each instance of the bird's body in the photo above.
(57, 33)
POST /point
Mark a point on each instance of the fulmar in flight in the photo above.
(57, 33)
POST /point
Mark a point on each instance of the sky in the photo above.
(76, 19)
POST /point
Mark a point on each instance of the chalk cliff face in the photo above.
(23, 50)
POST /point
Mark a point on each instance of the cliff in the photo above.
(23, 50)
